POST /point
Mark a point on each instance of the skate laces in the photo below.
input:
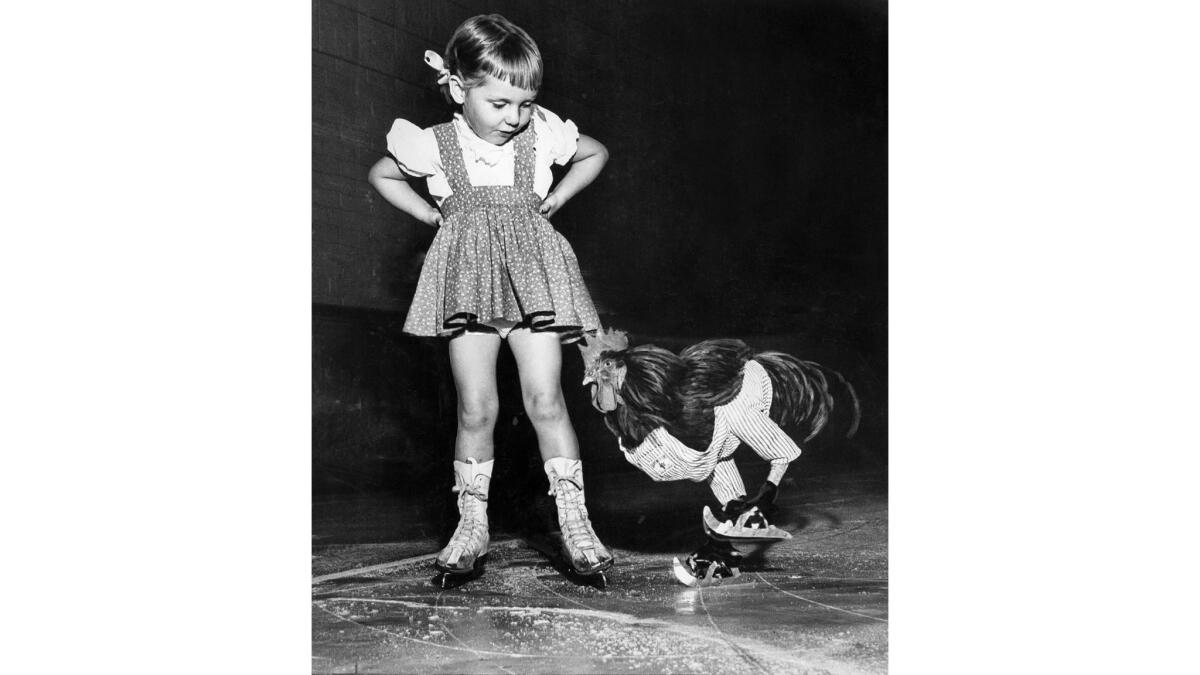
(580, 533)
(472, 522)
(468, 536)
(573, 516)
(569, 498)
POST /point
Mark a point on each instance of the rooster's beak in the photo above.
(588, 379)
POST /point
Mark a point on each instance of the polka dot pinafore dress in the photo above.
(496, 263)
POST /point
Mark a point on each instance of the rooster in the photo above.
(683, 416)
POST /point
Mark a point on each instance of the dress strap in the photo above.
(524, 158)
(456, 169)
(452, 160)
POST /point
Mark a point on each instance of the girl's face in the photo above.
(494, 109)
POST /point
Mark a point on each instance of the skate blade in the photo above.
(453, 578)
(587, 572)
(597, 577)
(725, 531)
(449, 580)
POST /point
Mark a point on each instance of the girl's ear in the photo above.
(458, 91)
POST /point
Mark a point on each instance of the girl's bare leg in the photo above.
(539, 362)
(473, 362)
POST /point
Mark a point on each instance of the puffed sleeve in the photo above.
(557, 139)
(414, 148)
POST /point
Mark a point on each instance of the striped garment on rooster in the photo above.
(683, 416)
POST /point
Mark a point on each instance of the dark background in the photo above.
(745, 196)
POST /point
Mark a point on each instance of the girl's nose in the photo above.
(513, 117)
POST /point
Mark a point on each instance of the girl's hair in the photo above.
(490, 44)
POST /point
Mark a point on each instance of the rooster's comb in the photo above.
(603, 341)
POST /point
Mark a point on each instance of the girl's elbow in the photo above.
(597, 156)
(592, 150)
(373, 176)
(383, 170)
(599, 150)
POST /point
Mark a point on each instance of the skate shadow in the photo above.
(755, 556)
(808, 519)
(668, 519)
(648, 518)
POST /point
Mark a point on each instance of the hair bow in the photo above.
(434, 60)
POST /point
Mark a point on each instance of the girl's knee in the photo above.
(545, 407)
(477, 415)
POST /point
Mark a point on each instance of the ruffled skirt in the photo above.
(500, 267)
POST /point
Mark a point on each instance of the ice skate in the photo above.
(714, 561)
(750, 525)
(462, 558)
(584, 552)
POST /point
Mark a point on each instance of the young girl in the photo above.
(497, 270)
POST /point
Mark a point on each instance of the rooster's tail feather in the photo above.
(803, 396)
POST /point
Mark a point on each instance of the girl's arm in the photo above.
(590, 157)
(392, 185)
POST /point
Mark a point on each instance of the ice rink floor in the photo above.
(817, 603)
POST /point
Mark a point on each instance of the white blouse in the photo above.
(416, 153)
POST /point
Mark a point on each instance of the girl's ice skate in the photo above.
(586, 555)
(462, 558)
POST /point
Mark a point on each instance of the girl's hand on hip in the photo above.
(434, 218)
(550, 205)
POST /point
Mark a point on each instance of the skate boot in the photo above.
(749, 525)
(584, 551)
(469, 543)
(712, 562)
(746, 520)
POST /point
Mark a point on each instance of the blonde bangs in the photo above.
(521, 68)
